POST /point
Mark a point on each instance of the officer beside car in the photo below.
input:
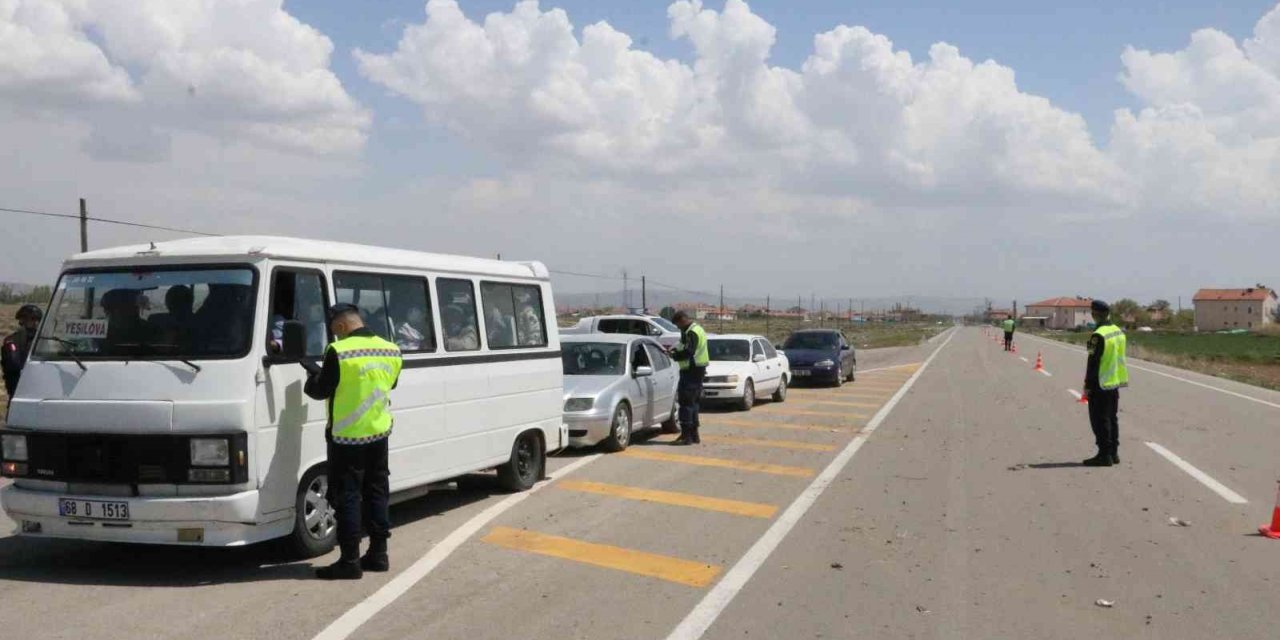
(693, 357)
(17, 345)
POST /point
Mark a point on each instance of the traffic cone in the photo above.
(1039, 362)
(1083, 399)
(1015, 348)
(1273, 531)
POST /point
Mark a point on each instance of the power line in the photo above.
(123, 223)
(583, 275)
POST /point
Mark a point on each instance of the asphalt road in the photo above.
(939, 496)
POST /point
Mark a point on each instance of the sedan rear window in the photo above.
(729, 350)
(812, 341)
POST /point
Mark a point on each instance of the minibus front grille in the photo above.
(126, 459)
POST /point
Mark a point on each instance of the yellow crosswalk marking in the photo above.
(735, 507)
(802, 412)
(776, 444)
(724, 463)
(693, 574)
(772, 425)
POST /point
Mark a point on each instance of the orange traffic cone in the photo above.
(1015, 348)
(1273, 531)
(1039, 362)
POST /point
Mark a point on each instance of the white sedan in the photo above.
(744, 367)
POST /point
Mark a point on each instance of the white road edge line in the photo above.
(1214, 485)
(1024, 359)
(896, 366)
(1075, 393)
(1046, 373)
(350, 621)
(714, 603)
(1170, 375)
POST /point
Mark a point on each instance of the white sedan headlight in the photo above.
(210, 452)
(579, 404)
(15, 447)
(731, 379)
(825, 363)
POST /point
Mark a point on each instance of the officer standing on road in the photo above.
(17, 345)
(692, 356)
(1008, 325)
(1103, 377)
(360, 370)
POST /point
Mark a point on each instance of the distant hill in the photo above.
(662, 297)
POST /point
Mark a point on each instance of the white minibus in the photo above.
(159, 405)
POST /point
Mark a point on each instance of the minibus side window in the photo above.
(298, 295)
(513, 315)
(365, 292)
(409, 310)
(457, 301)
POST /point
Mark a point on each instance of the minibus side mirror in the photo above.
(295, 341)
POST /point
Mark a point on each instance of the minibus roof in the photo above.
(222, 248)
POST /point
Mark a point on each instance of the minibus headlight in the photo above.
(210, 452)
(579, 404)
(15, 447)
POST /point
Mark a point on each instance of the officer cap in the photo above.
(341, 309)
(1100, 306)
(29, 310)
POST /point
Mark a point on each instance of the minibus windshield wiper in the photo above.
(69, 349)
(153, 346)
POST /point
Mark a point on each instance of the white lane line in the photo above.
(1169, 375)
(1075, 393)
(350, 621)
(1046, 373)
(1214, 485)
(1024, 359)
(714, 603)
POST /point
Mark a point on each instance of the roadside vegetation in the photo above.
(1252, 358)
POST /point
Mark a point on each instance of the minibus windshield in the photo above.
(161, 313)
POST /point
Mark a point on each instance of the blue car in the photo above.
(821, 356)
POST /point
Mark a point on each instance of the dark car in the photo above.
(821, 355)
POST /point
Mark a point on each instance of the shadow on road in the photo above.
(77, 562)
(1055, 465)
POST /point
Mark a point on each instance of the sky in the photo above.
(843, 149)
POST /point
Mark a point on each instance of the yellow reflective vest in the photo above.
(1113, 371)
(368, 367)
(701, 355)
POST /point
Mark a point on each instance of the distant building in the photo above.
(1250, 308)
(998, 315)
(708, 312)
(1059, 313)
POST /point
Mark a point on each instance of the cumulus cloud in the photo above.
(235, 70)
(857, 116)
(1208, 138)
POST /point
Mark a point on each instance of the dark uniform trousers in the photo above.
(359, 486)
(689, 395)
(1008, 340)
(1104, 412)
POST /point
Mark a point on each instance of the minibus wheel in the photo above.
(524, 469)
(315, 524)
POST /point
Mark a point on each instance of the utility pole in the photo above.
(766, 316)
(721, 308)
(799, 310)
(626, 294)
(84, 227)
(822, 314)
(644, 295)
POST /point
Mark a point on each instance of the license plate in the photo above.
(800, 373)
(93, 509)
(710, 394)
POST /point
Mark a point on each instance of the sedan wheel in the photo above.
(748, 396)
(780, 394)
(619, 429)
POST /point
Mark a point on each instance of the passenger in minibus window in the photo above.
(409, 335)
(530, 320)
(460, 330)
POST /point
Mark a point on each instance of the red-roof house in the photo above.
(1249, 308)
(1059, 313)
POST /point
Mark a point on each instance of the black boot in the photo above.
(375, 559)
(1100, 460)
(1115, 458)
(346, 568)
(695, 438)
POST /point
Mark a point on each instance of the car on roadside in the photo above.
(615, 386)
(656, 327)
(743, 368)
(821, 355)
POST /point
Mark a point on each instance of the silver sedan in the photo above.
(615, 385)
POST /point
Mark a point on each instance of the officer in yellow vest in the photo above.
(693, 357)
(360, 370)
(1105, 374)
(1008, 325)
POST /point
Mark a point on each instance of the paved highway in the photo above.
(939, 496)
